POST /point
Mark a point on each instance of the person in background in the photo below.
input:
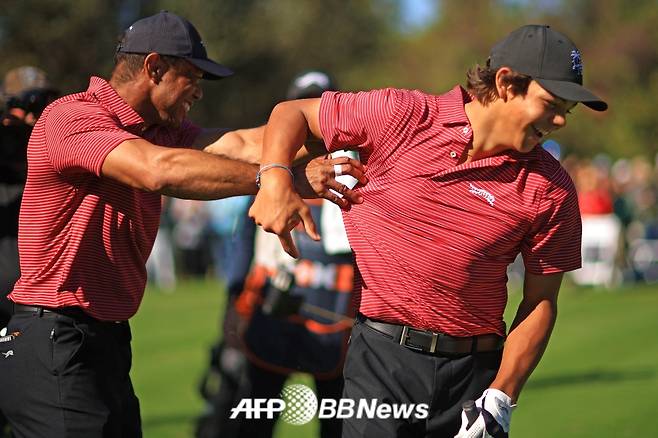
(273, 331)
(227, 225)
(26, 91)
(299, 312)
(161, 265)
(601, 227)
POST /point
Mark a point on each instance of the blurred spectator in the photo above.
(190, 230)
(601, 228)
(25, 92)
(160, 265)
(291, 316)
(642, 232)
(618, 203)
(227, 219)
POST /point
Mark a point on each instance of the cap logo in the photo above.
(576, 62)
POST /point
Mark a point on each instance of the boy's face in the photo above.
(531, 117)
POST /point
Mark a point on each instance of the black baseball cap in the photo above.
(548, 57)
(168, 34)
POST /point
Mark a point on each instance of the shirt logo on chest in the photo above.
(482, 193)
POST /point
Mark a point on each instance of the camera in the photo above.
(278, 301)
(33, 100)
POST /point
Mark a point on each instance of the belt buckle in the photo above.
(405, 334)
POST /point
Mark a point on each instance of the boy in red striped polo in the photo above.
(457, 187)
(98, 162)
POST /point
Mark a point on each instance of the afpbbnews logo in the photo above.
(298, 405)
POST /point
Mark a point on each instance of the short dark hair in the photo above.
(127, 65)
(481, 82)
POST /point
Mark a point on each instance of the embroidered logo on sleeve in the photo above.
(6, 354)
(482, 194)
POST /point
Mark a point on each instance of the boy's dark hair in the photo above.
(481, 83)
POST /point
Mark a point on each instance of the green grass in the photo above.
(599, 376)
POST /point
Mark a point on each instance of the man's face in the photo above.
(176, 92)
(531, 117)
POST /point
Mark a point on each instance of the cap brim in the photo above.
(211, 69)
(574, 92)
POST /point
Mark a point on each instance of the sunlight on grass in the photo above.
(599, 376)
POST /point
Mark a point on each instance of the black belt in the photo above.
(71, 311)
(432, 342)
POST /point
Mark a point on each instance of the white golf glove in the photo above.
(494, 420)
(477, 429)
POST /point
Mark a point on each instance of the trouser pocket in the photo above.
(67, 344)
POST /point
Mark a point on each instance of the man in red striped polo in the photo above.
(98, 162)
(457, 187)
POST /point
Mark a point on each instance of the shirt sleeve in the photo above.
(553, 244)
(349, 120)
(79, 135)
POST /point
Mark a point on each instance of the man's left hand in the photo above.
(317, 179)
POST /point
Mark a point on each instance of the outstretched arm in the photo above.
(246, 145)
(194, 174)
(178, 172)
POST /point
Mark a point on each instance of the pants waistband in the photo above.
(433, 342)
(73, 312)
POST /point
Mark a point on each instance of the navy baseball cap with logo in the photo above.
(548, 57)
(168, 34)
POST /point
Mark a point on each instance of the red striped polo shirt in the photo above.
(433, 239)
(83, 240)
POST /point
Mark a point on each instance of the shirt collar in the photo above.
(451, 107)
(107, 96)
(451, 113)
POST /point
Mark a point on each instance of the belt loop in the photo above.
(474, 345)
(435, 340)
(403, 336)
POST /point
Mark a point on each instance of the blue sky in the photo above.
(418, 13)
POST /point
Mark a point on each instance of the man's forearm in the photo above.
(244, 144)
(192, 176)
(525, 345)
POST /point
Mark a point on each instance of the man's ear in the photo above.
(154, 67)
(503, 88)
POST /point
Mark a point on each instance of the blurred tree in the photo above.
(268, 42)
(619, 43)
(361, 42)
(70, 40)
